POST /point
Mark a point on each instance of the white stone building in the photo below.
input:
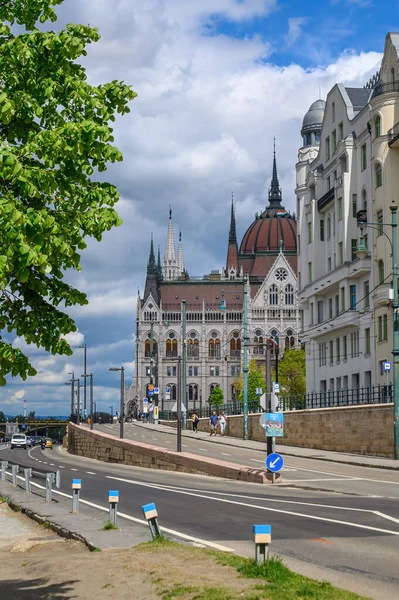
(349, 161)
(268, 257)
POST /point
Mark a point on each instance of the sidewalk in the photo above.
(326, 455)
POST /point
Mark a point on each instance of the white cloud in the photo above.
(202, 126)
(295, 29)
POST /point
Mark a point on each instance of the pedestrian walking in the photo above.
(222, 423)
(195, 421)
(213, 422)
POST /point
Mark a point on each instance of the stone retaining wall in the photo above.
(365, 429)
(104, 447)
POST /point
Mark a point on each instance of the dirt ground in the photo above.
(43, 566)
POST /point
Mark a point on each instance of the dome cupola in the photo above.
(312, 122)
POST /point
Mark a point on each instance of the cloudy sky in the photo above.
(216, 80)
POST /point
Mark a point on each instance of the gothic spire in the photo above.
(170, 270)
(151, 268)
(232, 232)
(159, 265)
(180, 258)
(275, 197)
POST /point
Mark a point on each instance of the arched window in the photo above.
(193, 348)
(217, 348)
(147, 348)
(378, 175)
(364, 199)
(289, 294)
(377, 126)
(193, 392)
(258, 339)
(289, 339)
(235, 345)
(171, 345)
(381, 271)
(273, 294)
(214, 345)
(211, 348)
(173, 392)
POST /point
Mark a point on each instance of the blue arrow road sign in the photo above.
(156, 390)
(167, 389)
(150, 393)
(274, 462)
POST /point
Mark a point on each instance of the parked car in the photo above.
(18, 440)
(29, 441)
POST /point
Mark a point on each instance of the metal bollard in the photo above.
(76, 487)
(27, 475)
(262, 536)
(151, 515)
(113, 499)
(4, 465)
(14, 471)
(50, 478)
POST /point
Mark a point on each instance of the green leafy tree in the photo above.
(54, 133)
(2, 417)
(216, 398)
(292, 372)
(255, 380)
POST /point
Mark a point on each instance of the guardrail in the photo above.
(51, 478)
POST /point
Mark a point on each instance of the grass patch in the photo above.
(96, 550)
(108, 525)
(282, 584)
(179, 591)
(159, 541)
(218, 594)
(45, 525)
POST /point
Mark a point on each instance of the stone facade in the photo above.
(364, 430)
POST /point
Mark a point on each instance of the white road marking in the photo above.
(384, 516)
(73, 469)
(154, 438)
(265, 508)
(346, 476)
(61, 467)
(91, 473)
(143, 522)
(52, 465)
(322, 479)
(225, 454)
(203, 449)
(168, 442)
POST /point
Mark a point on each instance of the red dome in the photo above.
(266, 232)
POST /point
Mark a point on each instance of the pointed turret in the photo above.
(151, 282)
(275, 196)
(180, 257)
(159, 265)
(170, 269)
(232, 249)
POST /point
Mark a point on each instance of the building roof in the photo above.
(313, 119)
(197, 292)
(359, 97)
(274, 229)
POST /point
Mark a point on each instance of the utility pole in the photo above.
(395, 349)
(245, 368)
(269, 408)
(183, 394)
(84, 347)
(78, 402)
(179, 390)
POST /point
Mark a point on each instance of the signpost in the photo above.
(274, 462)
(259, 391)
(274, 424)
(276, 388)
(156, 411)
(387, 366)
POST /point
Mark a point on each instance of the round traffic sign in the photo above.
(274, 462)
(150, 387)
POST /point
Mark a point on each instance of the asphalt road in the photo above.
(352, 539)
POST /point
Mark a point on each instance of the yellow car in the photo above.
(49, 443)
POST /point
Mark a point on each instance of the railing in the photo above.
(386, 88)
(393, 134)
(326, 199)
(12, 469)
(379, 394)
(229, 408)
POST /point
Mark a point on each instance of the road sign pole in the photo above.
(269, 408)
(178, 438)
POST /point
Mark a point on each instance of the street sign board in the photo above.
(259, 391)
(167, 390)
(276, 387)
(11, 428)
(145, 400)
(150, 393)
(274, 424)
(150, 386)
(156, 390)
(274, 462)
(167, 396)
(387, 365)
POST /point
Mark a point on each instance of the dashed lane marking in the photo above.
(91, 473)
(225, 454)
(73, 469)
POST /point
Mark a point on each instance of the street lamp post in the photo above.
(112, 413)
(246, 339)
(121, 409)
(84, 375)
(72, 383)
(362, 252)
(184, 406)
(91, 397)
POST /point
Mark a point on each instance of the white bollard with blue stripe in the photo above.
(151, 515)
(76, 487)
(113, 499)
(262, 537)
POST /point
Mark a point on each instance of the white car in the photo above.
(18, 440)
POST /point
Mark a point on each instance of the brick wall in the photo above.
(366, 429)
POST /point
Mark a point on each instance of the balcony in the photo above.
(393, 136)
(325, 200)
(386, 88)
